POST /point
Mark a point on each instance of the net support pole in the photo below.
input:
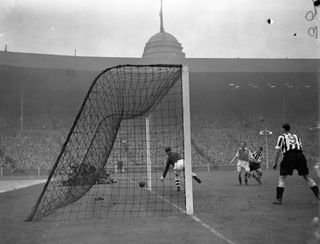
(187, 140)
(267, 151)
(21, 108)
(149, 176)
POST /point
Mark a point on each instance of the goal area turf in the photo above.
(240, 214)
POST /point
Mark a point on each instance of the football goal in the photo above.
(114, 154)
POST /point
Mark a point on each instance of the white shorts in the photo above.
(243, 165)
(179, 165)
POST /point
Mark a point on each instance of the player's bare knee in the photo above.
(281, 181)
(310, 181)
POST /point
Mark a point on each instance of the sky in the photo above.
(121, 28)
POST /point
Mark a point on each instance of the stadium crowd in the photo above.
(214, 139)
(220, 136)
(35, 147)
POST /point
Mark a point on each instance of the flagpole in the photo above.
(161, 19)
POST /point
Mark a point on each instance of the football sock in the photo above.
(279, 195)
(246, 178)
(256, 178)
(196, 179)
(177, 181)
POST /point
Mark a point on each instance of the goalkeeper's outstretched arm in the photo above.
(165, 171)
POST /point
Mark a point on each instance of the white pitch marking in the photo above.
(217, 233)
(10, 185)
(194, 217)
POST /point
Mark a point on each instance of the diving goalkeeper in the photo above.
(177, 162)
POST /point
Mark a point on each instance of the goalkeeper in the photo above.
(177, 162)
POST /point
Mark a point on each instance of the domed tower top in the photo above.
(163, 44)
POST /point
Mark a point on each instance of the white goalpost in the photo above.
(187, 140)
(187, 143)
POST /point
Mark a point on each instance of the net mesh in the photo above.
(128, 117)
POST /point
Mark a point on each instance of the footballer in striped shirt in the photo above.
(289, 144)
(255, 163)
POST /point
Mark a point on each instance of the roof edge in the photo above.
(43, 61)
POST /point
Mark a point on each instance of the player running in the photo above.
(255, 164)
(243, 155)
(177, 162)
(293, 158)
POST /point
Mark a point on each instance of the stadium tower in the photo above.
(163, 45)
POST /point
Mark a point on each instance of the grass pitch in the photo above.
(241, 214)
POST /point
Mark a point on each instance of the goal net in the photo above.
(113, 157)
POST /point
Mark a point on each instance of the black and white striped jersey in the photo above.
(289, 142)
(257, 157)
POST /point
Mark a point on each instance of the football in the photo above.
(142, 183)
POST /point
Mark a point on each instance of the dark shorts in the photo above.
(254, 166)
(294, 160)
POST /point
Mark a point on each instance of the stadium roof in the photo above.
(163, 44)
(43, 61)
